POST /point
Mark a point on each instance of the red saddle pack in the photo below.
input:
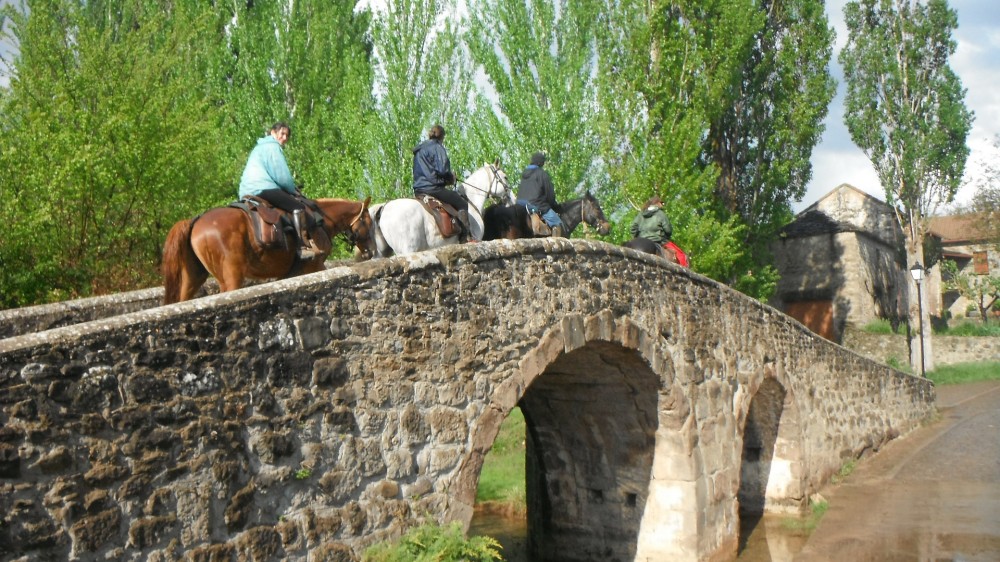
(444, 215)
(682, 258)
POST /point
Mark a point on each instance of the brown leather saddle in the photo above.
(273, 228)
(444, 215)
(538, 226)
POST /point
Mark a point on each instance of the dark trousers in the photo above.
(446, 196)
(283, 200)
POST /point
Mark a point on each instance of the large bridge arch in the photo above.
(318, 415)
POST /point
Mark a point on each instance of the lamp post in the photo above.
(917, 272)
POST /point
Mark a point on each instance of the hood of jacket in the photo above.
(529, 171)
(649, 211)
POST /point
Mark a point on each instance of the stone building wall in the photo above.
(307, 419)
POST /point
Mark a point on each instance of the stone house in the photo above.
(841, 262)
(964, 241)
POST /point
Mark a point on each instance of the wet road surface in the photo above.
(931, 495)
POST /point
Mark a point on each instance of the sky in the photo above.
(837, 160)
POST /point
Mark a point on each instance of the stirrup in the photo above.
(307, 250)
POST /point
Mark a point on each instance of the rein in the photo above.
(347, 234)
(495, 179)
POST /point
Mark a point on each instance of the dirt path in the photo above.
(932, 495)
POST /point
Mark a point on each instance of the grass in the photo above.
(965, 372)
(845, 470)
(808, 523)
(502, 477)
(964, 328)
(879, 326)
(971, 329)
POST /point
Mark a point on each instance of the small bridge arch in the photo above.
(322, 414)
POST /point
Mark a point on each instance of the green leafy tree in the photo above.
(660, 81)
(982, 290)
(421, 78)
(539, 58)
(905, 109)
(769, 114)
(106, 131)
(307, 63)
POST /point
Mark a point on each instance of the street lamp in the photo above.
(917, 272)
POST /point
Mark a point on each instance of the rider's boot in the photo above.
(307, 249)
(466, 235)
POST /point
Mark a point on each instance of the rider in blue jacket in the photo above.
(432, 175)
(267, 176)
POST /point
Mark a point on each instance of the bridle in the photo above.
(489, 191)
(348, 234)
(587, 206)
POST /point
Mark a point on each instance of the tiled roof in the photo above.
(958, 228)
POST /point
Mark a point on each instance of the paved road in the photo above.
(929, 496)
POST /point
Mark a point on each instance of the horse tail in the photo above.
(178, 259)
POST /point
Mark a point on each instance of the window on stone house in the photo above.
(980, 264)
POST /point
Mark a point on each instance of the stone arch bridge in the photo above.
(309, 418)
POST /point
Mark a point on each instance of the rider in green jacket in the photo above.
(652, 223)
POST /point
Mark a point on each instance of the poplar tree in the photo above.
(421, 79)
(308, 63)
(905, 109)
(769, 114)
(539, 57)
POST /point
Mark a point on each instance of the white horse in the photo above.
(404, 226)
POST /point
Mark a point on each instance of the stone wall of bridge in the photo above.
(308, 418)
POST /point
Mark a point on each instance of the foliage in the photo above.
(965, 373)
(502, 476)
(982, 290)
(270, 72)
(105, 130)
(123, 116)
(433, 543)
(768, 116)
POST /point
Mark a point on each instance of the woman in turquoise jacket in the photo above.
(267, 176)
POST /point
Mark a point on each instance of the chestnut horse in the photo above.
(219, 242)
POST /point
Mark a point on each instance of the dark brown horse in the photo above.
(513, 222)
(219, 242)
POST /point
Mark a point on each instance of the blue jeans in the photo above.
(550, 217)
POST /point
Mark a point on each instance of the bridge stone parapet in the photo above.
(309, 418)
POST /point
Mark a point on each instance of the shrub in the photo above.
(434, 543)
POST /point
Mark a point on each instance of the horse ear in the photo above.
(496, 163)
(367, 201)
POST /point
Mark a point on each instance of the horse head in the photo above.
(352, 219)
(362, 232)
(488, 182)
(591, 213)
